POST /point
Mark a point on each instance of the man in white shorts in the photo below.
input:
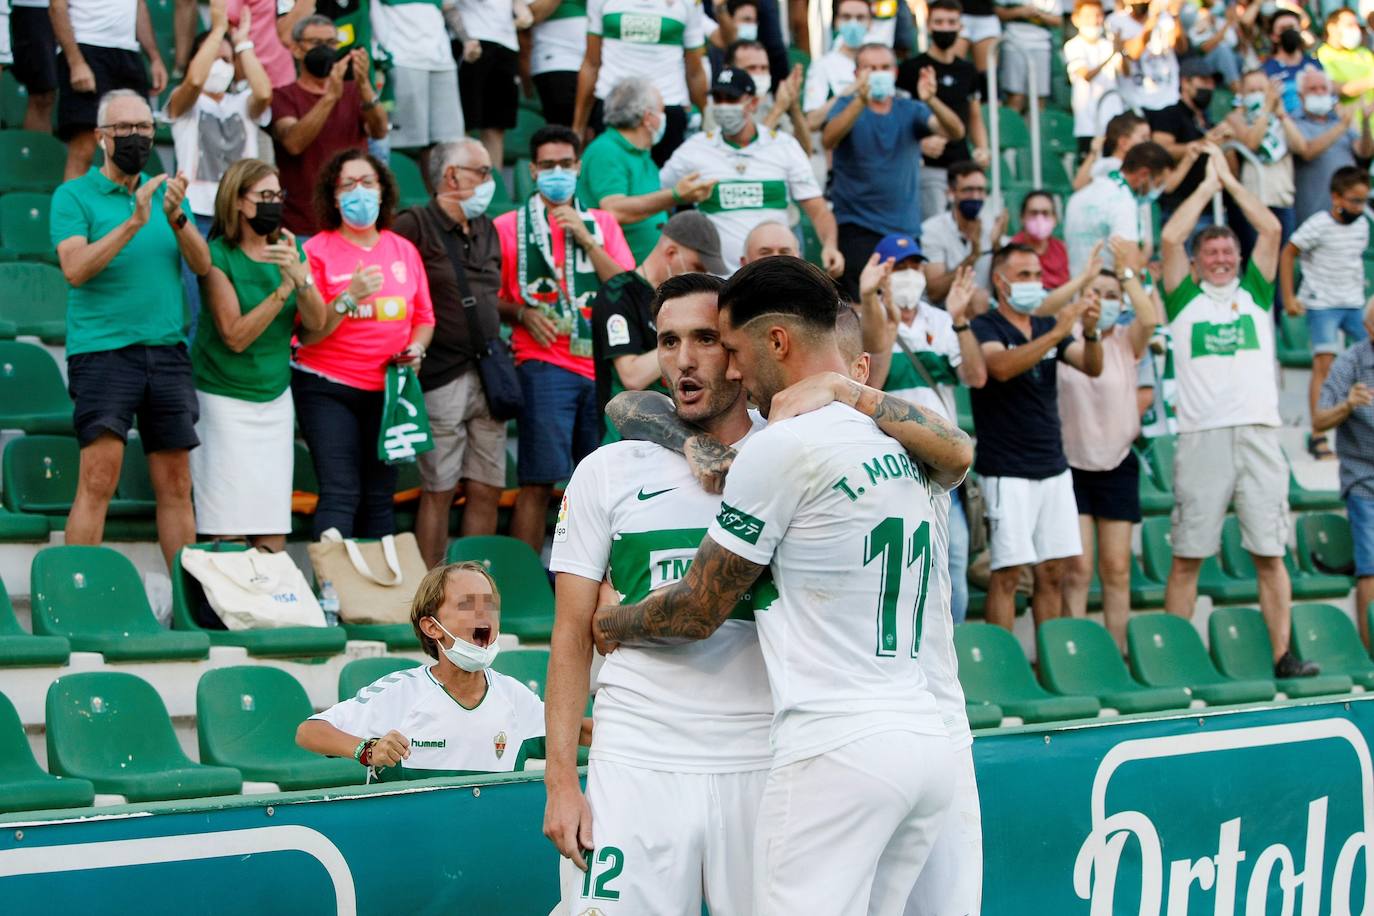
(1026, 480)
(851, 705)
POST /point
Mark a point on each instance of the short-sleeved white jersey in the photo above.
(645, 39)
(634, 510)
(445, 736)
(754, 183)
(843, 519)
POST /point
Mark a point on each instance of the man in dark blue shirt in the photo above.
(876, 136)
(1026, 482)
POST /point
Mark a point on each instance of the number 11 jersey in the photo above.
(844, 519)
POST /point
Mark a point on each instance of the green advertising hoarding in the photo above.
(1256, 811)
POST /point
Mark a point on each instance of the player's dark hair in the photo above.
(999, 257)
(1215, 232)
(555, 133)
(784, 285)
(683, 285)
(1147, 155)
(959, 170)
(1118, 128)
(733, 6)
(1347, 177)
(952, 5)
(1036, 195)
(735, 47)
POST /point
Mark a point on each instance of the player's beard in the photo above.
(720, 396)
(768, 381)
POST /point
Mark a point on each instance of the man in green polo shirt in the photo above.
(121, 236)
(619, 175)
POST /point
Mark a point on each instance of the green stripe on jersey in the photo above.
(437, 4)
(642, 561)
(746, 195)
(569, 9)
(902, 376)
(641, 29)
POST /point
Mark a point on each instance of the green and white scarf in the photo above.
(557, 292)
(405, 423)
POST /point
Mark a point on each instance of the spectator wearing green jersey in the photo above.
(619, 175)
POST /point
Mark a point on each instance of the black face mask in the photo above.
(944, 39)
(1290, 41)
(268, 218)
(1202, 98)
(1346, 217)
(131, 153)
(319, 60)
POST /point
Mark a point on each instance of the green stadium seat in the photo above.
(30, 161)
(410, 183)
(113, 729)
(280, 642)
(1011, 126)
(1223, 101)
(1155, 553)
(24, 226)
(797, 56)
(40, 474)
(501, 200)
(1079, 656)
(1214, 582)
(1056, 133)
(1053, 176)
(14, 101)
(1241, 649)
(1301, 499)
(24, 786)
(1325, 545)
(993, 669)
(1145, 593)
(983, 715)
(1325, 635)
(94, 597)
(360, 672)
(963, 405)
(34, 303)
(526, 596)
(528, 666)
(19, 648)
(1294, 345)
(1305, 585)
(399, 637)
(1155, 497)
(33, 396)
(1161, 454)
(523, 184)
(246, 718)
(518, 138)
(811, 240)
(1167, 652)
(135, 487)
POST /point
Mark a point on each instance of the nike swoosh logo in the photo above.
(643, 495)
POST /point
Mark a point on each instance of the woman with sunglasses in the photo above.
(257, 287)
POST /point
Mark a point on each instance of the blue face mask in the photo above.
(1111, 311)
(557, 184)
(1026, 297)
(477, 204)
(852, 33)
(882, 84)
(360, 206)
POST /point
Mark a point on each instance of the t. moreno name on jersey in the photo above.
(891, 466)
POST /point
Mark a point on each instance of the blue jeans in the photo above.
(559, 423)
(1361, 512)
(341, 424)
(1324, 326)
(958, 558)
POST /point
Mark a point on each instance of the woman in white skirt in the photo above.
(258, 286)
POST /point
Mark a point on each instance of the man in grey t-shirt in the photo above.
(1330, 143)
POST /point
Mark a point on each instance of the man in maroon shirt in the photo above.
(325, 110)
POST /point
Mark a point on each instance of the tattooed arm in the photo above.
(691, 609)
(651, 417)
(942, 447)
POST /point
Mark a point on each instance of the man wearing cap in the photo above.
(919, 353)
(624, 340)
(876, 140)
(757, 173)
(1178, 129)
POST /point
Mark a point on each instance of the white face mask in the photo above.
(747, 31)
(907, 287)
(1224, 294)
(220, 76)
(763, 84)
(467, 656)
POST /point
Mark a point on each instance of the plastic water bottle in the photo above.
(329, 603)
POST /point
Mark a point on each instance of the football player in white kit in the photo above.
(862, 770)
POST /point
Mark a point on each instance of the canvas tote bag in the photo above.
(376, 580)
(253, 590)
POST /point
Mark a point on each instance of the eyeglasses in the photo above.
(348, 184)
(482, 172)
(309, 43)
(543, 165)
(124, 129)
(265, 197)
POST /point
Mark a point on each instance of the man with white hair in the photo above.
(618, 171)
(120, 237)
(1332, 142)
(453, 232)
(1344, 403)
(768, 239)
(1219, 309)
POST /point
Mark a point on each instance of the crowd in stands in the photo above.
(1138, 266)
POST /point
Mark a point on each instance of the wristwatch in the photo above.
(960, 328)
(345, 304)
(1127, 273)
(1092, 337)
(180, 221)
(309, 280)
